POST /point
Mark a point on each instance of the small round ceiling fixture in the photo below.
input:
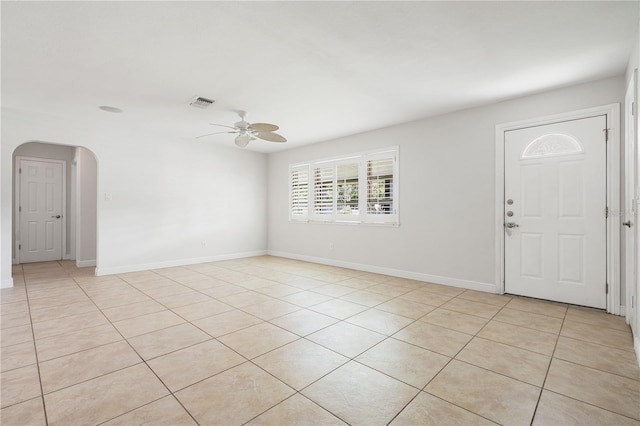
(108, 108)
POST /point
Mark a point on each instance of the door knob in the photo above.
(56, 216)
(511, 225)
(628, 224)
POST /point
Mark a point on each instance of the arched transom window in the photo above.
(552, 144)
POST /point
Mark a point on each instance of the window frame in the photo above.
(363, 216)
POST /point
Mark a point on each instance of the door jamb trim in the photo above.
(612, 113)
(16, 198)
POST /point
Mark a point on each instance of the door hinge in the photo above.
(19, 246)
(606, 135)
(19, 209)
(606, 288)
(606, 212)
(633, 108)
(20, 171)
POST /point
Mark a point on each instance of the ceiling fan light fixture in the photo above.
(243, 140)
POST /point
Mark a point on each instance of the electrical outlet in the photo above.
(330, 246)
(204, 243)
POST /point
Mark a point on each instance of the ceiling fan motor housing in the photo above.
(242, 125)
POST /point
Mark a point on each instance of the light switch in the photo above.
(107, 196)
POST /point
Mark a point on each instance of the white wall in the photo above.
(87, 208)
(168, 196)
(447, 187)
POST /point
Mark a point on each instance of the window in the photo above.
(361, 188)
(347, 176)
(553, 144)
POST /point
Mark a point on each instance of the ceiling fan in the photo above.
(248, 132)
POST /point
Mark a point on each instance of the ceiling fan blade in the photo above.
(263, 127)
(211, 134)
(271, 137)
(222, 125)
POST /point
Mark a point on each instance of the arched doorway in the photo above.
(55, 204)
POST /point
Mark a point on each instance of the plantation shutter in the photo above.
(323, 197)
(359, 188)
(299, 195)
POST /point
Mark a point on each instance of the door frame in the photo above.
(612, 113)
(17, 179)
(631, 196)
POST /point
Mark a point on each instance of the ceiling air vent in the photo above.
(200, 102)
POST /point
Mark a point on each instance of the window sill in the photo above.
(348, 223)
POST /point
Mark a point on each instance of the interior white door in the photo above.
(555, 223)
(40, 211)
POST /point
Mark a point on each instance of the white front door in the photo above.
(40, 211)
(554, 210)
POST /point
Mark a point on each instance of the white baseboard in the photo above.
(85, 263)
(453, 282)
(6, 283)
(623, 310)
(14, 261)
(636, 346)
(172, 263)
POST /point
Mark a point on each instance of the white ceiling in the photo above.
(320, 70)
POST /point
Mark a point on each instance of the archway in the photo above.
(77, 215)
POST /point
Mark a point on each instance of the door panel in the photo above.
(531, 255)
(40, 211)
(555, 178)
(571, 196)
(531, 194)
(571, 262)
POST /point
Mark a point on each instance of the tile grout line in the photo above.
(143, 361)
(250, 360)
(247, 360)
(35, 350)
(334, 298)
(544, 382)
(353, 359)
(592, 405)
(247, 271)
(327, 373)
(446, 364)
(454, 358)
(365, 350)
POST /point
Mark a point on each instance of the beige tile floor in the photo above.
(268, 340)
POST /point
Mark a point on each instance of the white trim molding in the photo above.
(418, 276)
(6, 283)
(612, 113)
(172, 263)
